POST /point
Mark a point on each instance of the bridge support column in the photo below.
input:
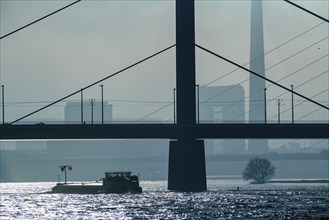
(187, 170)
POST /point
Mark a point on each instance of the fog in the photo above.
(93, 39)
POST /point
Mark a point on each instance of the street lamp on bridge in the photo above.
(292, 104)
(279, 101)
(3, 103)
(265, 110)
(92, 101)
(102, 86)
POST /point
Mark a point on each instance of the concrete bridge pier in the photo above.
(187, 170)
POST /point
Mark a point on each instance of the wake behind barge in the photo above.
(114, 182)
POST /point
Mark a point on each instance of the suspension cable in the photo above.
(95, 83)
(273, 49)
(271, 84)
(262, 77)
(308, 11)
(302, 84)
(250, 110)
(304, 116)
(305, 101)
(272, 67)
(280, 94)
(25, 26)
(157, 110)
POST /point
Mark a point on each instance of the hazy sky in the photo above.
(93, 39)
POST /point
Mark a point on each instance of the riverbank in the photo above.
(299, 181)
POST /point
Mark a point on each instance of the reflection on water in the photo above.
(221, 201)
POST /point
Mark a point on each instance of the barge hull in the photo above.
(90, 189)
(77, 189)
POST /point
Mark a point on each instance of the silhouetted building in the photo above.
(91, 112)
(223, 104)
(257, 85)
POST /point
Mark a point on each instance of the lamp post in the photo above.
(292, 104)
(279, 101)
(265, 110)
(3, 103)
(198, 102)
(92, 101)
(102, 94)
(174, 105)
(81, 110)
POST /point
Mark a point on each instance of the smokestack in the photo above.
(256, 84)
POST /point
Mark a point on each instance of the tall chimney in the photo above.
(256, 84)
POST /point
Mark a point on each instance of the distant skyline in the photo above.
(93, 39)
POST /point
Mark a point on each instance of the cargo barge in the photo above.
(113, 182)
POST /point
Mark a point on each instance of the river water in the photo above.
(221, 201)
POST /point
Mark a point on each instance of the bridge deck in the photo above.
(165, 131)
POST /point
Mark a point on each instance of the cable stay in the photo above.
(207, 100)
(123, 70)
(25, 26)
(285, 91)
(306, 10)
(95, 83)
(262, 77)
(234, 103)
(273, 49)
(157, 110)
(265, 69)
(272, 67)
(257, 107)
(304, 116)
(302, 103)
(321, 74)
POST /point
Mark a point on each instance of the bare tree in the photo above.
(259, 170)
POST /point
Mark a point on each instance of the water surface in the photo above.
(221, 201)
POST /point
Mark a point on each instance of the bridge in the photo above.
(164, 131)
(186, 154)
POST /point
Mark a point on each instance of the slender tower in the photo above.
(256, 84)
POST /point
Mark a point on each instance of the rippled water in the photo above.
(221, 201)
